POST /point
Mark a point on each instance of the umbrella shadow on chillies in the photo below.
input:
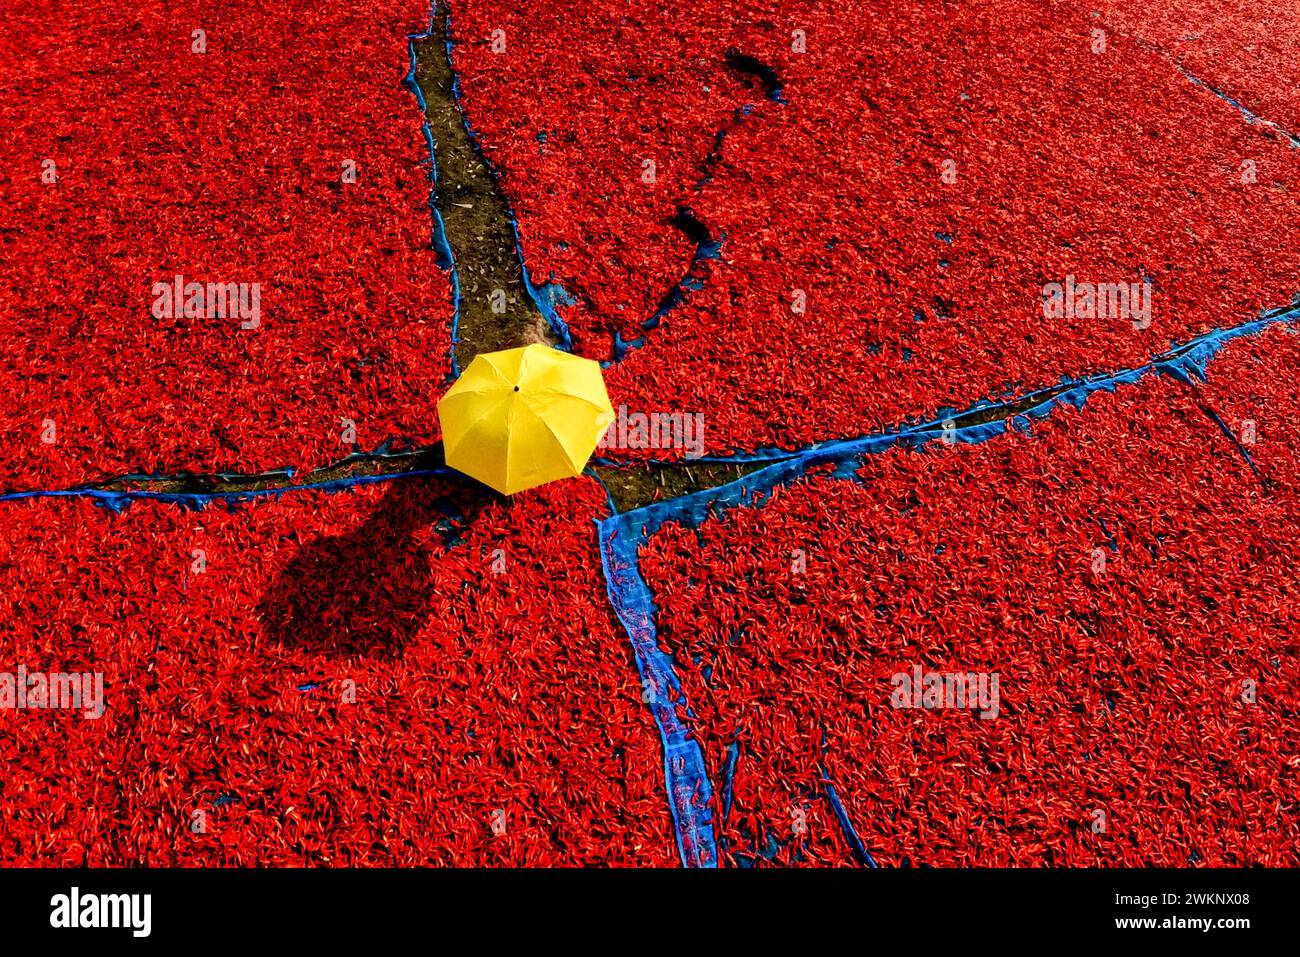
(367, 592)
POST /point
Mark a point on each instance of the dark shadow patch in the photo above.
(687, 223)
(753, 67)
(367, 592)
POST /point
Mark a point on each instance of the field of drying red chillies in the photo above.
(802, 222)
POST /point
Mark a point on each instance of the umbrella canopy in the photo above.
(523, 417)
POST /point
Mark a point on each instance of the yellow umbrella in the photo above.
(524, 417)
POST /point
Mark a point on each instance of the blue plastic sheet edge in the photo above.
(446, 258)
(118, 499)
